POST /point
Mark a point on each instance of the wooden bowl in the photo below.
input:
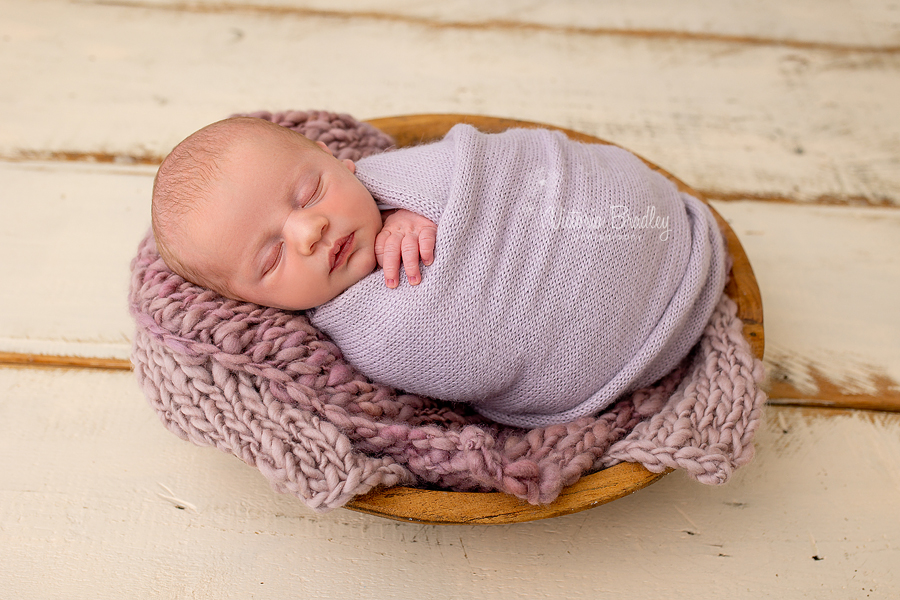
(466, 508)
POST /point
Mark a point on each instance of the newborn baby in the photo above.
(259, 213)
(559, 276)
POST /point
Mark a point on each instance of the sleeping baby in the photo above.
(542, 278)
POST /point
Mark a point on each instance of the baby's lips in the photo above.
(339, 251)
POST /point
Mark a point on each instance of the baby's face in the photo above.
(289, 226)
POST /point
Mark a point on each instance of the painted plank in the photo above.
(863, 25)
(99, 501)
(68, 232)
(829, 279)
(731, 118)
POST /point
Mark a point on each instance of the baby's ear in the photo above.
(324, 147)
(350, 165)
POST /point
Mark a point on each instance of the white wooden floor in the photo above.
(784, 113)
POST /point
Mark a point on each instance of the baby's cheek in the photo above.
(369, 263)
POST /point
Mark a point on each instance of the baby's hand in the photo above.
(408, 236)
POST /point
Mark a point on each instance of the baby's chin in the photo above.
(341, 290)
(365, 266)
(358, 276)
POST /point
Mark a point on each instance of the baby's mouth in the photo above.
(340, 250)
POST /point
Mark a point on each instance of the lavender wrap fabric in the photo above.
(266, 386)
(552, 256)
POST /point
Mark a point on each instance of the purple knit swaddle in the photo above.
(266, 386)
(552, 257)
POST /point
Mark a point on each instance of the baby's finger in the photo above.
(379, 245)
(409, 249)
(387, 253)
(427, 239)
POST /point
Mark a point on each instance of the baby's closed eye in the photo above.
(307, 199)
(272, 258)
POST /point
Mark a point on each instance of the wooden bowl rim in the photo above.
(474, 508)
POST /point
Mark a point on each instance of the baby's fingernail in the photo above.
(390, 283)
(414, 279)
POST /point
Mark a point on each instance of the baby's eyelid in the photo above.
(272, 262)
(313, 196)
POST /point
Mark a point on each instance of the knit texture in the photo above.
(552, 257)
(266, 386)
(345, 136)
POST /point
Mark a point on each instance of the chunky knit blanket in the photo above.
(268, 387)
(565, 274)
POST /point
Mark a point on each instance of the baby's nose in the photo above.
(307, 232)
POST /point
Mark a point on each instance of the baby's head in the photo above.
(259, 213)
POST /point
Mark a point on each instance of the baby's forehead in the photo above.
(250, 130)
(218, 157)
(217, 143)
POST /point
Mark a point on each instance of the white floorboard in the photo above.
(729, 117)
(101, 502)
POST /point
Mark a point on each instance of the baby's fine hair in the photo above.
(182, 185)
(185, 183)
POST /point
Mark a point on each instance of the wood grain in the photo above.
(733, 119)
(829, 278)
(871, 27)
(464, 508)
(80, 362)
